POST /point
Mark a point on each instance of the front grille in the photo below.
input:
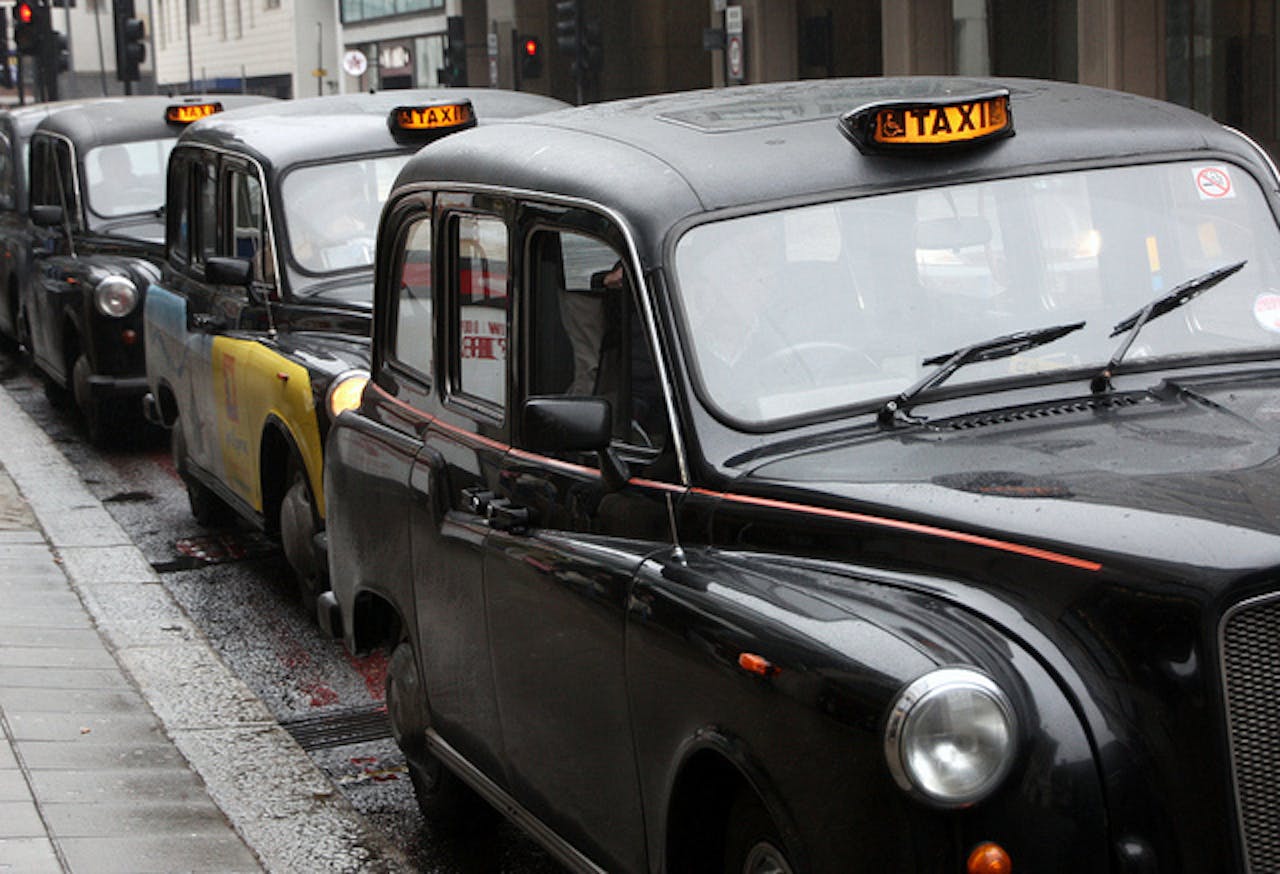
(1251, 672)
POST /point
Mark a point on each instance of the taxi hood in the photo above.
(1188, 470)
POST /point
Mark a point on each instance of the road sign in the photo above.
(355, 63)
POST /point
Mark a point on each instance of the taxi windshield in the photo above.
(331, 211)
(794, 313)
(126, 178)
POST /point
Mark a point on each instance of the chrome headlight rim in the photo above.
(116, 296)
(930, 687)
(336, 383)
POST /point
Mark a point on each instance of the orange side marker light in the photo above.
(989, 858)
(754, 664)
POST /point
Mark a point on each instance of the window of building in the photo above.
(365, 10)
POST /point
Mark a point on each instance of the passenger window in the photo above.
(8, 197)
(248, 230)
(65, 182)
(207, 203)
(413, 330)
(179, 212)
(588, 337)
(481, 314)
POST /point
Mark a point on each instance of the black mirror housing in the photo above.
(567, 423)
(46, 216)
(228, 271)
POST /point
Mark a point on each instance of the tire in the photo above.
(100, 431)
(298, 525)
(445, 801)
(207, 508)
(753, 844)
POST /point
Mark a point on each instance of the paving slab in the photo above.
(28, 856)
(20, 819)
(142, 854)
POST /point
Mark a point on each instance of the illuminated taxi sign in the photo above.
(186, 113)
(435, 119)
(929, 124)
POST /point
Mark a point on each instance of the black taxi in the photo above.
(257, 329)
(95, 203)
(16, 126)
(858, 475)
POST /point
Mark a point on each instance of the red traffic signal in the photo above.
(29, 26)
(23, 14)
(530, 57)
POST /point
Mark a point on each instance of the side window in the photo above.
(52, 179)
(587, 336)
(43, 193)
(206, 201)
(413, 334)
(179, 211)
(480, 316)
(249, 237)
(65, 180)
(8, 176)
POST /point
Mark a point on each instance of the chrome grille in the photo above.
(1251, 671)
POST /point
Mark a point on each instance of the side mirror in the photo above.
(228, 271)
(572, 423)
(567, 423)
(46, 216)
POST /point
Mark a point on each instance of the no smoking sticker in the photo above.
(1213, 183)
(1266, 309)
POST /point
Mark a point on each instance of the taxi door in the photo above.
(224, 323)
(53, 297)
(564, 546)
(445, 376)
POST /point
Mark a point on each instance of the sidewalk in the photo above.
(128, 745)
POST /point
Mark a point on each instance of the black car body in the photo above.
(257, 331)
(96, 192)
(16, 126)
(928, 521)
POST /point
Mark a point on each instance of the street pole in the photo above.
(102, 60)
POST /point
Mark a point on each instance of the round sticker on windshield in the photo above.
(1266, 309)
(1213, 183)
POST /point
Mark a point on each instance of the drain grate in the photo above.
(340, 729)
(198, 552)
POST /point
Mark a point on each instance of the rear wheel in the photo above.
(753, 844)
(443, 798)
(207, 508)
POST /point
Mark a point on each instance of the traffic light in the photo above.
(25, 34)
(530, 57)
(131, 50)
(454, 71)
(569, 26)
(59, 51)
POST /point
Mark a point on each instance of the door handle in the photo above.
(506, 516)
(205, 321)
(476, 500)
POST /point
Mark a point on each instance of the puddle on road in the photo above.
(209, 549)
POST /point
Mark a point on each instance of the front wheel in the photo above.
(95, 423)
(753, 844)
(299, 524)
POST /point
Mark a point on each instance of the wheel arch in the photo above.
(276, 449)
(713, 771)
(376, 622)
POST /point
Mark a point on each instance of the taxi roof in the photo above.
(128, 119)
(661, 159)
(294, 131)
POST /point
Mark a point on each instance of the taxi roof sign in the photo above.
(186, 113)
(437, 118)
(912, 125)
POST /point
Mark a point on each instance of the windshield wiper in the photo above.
(988, 350)
(1165, 303)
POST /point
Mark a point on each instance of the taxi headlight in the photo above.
(115, 296)
(344, 392)
(951, 737)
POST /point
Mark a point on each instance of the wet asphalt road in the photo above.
(245, 603)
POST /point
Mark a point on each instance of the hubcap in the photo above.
(765, 858)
